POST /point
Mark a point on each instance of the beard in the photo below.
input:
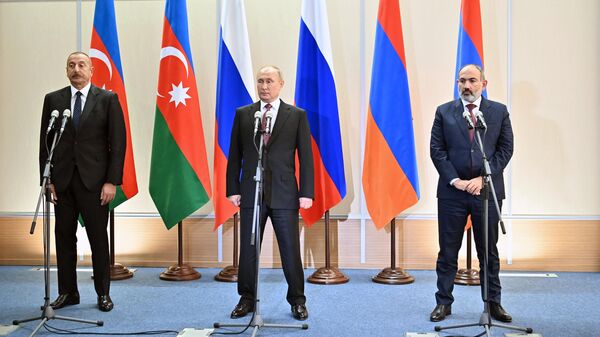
(469, 96)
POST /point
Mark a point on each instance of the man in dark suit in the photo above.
(87, 165)
(282, 197)
(458, 161)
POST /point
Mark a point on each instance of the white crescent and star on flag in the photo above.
(99, 55)
(178, 93)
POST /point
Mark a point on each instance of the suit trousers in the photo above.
(74, 200)
(452, 217)
(285, 225)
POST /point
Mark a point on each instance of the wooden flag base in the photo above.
(467, 277)
(182, 272)
(119, 272)
(228, 274)
(393, 276)
(329, 275)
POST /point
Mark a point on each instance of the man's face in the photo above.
(268, 84)
(470, 84)
(79, 70)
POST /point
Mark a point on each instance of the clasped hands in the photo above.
(472, 186)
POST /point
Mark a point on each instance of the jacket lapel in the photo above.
(282, 115)
(90, 101)
(485, 109)
(458, 111)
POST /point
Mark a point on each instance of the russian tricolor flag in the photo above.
(390, 179)
(235, 88)
(470, 39)
(108, 74)
(316, 93)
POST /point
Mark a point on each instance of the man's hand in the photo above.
(474, 185)
(108, 193)
(235, 199)
(305, 203)
(53, 197)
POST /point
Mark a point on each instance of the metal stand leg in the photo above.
(485, 320)
(47, 311)
(257, 322)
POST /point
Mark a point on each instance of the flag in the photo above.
(108, 74)
(470, 39)
(179, 180)
(470, 44)
(235, 88)
(316, 93)
(390, 178)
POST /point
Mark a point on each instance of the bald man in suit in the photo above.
(282, 196)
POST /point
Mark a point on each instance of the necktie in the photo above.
(263, 123)
(77, 110)
(470, 107)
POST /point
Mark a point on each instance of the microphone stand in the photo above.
(485, 320)
(47, 310)
(257, 321)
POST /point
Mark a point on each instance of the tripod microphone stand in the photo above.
(47, 310)
(257, 321)
(485, 320)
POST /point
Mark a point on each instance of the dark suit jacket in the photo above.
(290, 133)
(453, 154)
(97, 148)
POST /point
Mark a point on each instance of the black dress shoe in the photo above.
(440, 312)
(105, 303)
(64, 300)
(241, 309)
(498, 313)
(299, 312)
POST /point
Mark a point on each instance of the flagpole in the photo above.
(117, 270)
(230, 273)
(180, 271)
(393, 275)
(468, 276)
(328, 274)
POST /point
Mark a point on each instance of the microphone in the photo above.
(53, 117)
(257, 117)
(268, 117)
(479, 116)
(467, 116)
(65, 118)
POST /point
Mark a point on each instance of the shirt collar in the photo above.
(477, 103)
(84, 91)
(275, 105)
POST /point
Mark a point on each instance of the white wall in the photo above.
(546, 70)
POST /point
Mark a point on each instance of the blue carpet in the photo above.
(564, 306)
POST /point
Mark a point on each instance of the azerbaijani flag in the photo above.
(315, 93)
(235, 88)
(390, 179)
(179, 180)
(470, 39)
(108, 74)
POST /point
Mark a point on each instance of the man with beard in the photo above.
(458, 160)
